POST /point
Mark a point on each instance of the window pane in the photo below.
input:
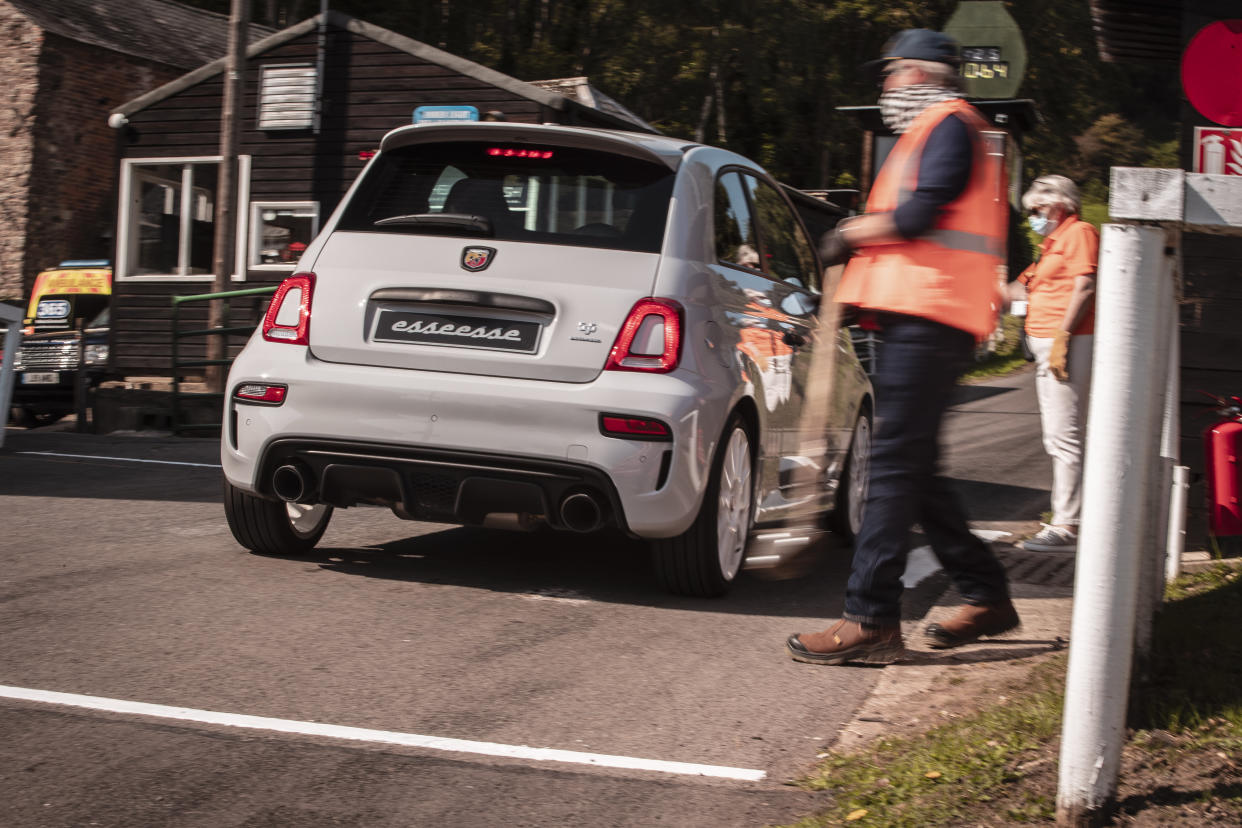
(735, 229)
(548, 194)
(157, 222)
(202, 217)
(282, 232)
(171, 232)
(785, 246)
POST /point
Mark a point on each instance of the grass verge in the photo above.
(951, 773)
(997, 766)
(1007, 357)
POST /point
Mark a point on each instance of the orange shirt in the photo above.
(1069, 251)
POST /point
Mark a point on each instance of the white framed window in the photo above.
(279, 232)
(166, 223)
(287, 96)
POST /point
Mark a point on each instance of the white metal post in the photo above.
(1152, 548)
(11, 318)
(1121, 424)
(1177, 522)
(1173, 510)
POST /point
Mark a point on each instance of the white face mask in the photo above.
(1042, 224)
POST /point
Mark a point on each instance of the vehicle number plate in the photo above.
(41, 378)
(423, 328)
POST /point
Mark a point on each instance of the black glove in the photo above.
(833, 249)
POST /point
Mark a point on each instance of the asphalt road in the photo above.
(122, 582)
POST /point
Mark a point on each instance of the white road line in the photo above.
(126, 459)
(383, 736)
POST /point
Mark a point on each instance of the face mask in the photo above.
(1042, 224)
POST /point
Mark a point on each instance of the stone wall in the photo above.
(73, 189)
(20, 43)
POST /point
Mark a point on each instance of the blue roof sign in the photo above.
(445, 114)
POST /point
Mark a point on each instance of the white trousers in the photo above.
(1063, 413)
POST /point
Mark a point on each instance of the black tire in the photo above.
(268, 527)
(23, 417)
(692, 563)
(847, 515)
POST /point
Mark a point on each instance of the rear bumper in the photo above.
(455, 447)
(438, 485)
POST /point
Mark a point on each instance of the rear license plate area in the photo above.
(456, 331)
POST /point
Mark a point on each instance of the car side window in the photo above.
(786, 248)
(736, 242)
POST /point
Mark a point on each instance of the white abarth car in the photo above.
(518, 325)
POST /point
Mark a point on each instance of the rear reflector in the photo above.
(260, 392)
(619, 425)
(288, 316)
(649, 339)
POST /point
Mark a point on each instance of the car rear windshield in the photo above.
(536, 193)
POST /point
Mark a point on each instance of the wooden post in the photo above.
(223, 258)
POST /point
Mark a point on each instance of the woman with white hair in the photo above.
(1060, 321)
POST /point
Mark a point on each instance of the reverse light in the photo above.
(288, 316)
(260, 392)
(649, 339)
(621, 425)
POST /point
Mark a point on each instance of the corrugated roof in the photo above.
(158, 30)
(1142, 31)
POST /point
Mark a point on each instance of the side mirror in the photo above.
(801, 304)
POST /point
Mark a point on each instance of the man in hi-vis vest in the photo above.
(923, 268)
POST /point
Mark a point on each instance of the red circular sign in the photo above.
(1211, 68)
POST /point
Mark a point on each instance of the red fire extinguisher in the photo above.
(1222, 445)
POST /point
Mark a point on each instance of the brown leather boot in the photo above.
(971, 623)
(848, 641)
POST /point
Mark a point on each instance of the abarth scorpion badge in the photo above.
(477, 258)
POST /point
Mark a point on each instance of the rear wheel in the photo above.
(273, 527)
(847, 516)
(704, 560)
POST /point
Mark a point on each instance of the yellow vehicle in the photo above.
(65, 332)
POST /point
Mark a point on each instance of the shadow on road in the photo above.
(1001, 501)
(607, 568)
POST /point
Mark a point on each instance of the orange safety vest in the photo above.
(951, 274)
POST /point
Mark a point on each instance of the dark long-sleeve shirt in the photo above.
(944, 171)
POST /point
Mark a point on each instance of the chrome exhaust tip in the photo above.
(292, 484)
(581, 512)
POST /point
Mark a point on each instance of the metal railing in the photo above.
(226, 329)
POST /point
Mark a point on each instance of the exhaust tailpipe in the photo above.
(581, 512)
(292, 484)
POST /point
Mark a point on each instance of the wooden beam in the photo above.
(1195, 202)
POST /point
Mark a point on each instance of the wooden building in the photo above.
(66, 64)
(318, 97)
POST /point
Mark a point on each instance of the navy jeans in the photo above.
(917, 366)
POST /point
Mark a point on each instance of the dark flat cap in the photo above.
(917, 44)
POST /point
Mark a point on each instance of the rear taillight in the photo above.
(288, 316)
(262, 393)
(650, 338)
(634, 428)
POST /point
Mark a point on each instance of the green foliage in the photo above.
(1006, 358)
